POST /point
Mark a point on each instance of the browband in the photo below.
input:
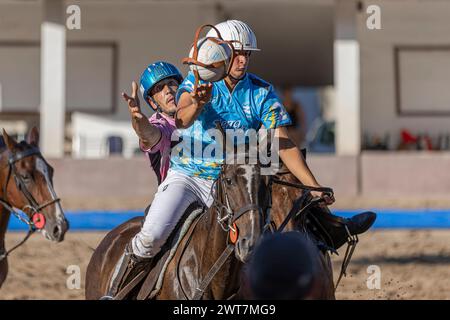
(23, 154)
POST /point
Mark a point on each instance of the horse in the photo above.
(283, 198)
(288, 198)
(203, 266)
(26, 182)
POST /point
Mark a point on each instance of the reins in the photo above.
(226, 218)
(297, 211)
(226, 222)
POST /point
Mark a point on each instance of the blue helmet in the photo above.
(156, 72)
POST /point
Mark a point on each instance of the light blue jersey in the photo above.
(252, 103)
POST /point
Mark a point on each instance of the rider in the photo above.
(240, 101)
(158, 85)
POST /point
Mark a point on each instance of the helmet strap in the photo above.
(236, 79)
(159, 110)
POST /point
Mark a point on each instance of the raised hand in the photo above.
(202, 95)
(147, 133)
(133, 102)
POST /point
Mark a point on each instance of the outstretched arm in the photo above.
(149, 135)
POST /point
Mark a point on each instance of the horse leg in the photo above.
(4, 219)
(331, 289)
(328, 290)
(105, 257)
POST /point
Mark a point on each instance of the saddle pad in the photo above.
(178, 236)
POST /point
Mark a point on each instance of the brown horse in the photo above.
(236, 213)
(26, 183)
(283, 198)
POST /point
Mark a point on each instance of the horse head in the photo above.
(241, 191)
(27, 184)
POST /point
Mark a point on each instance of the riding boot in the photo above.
(360, 222)
(127, 268)
(337, 230)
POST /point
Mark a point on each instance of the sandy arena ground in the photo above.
(413, 264)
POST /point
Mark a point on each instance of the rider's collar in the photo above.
(238, 83)
(238, 80)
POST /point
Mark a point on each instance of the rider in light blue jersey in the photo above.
(251, 104)
(240, 101)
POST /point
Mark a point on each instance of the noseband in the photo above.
(226, 217)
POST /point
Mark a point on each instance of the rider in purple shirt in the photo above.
(158, 85)
(159, 154)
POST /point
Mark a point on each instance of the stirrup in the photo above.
(352, 241)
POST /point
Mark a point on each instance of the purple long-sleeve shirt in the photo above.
(159, 154)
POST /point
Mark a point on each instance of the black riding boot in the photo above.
(360, 222)
(128, 267)
(337, 230)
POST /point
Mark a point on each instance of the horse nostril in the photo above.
(242, 243)
(56, 231)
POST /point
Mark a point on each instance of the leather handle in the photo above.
(197, 35)
(194, 59)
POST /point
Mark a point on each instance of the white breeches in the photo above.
(175, 194)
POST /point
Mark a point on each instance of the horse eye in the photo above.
(228, 181)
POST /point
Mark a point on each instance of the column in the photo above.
(346, 79)
(53, 79)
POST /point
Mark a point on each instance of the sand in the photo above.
(414, 264)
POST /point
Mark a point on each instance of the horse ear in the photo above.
(33, 136)
(10, 142)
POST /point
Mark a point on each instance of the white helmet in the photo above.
(238, 31)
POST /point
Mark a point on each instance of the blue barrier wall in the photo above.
(387, 219)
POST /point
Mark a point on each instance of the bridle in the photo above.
(226, 217)
(35, 220)
(301, 207)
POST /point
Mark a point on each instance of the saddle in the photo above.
(329, 229)
(153, 280)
